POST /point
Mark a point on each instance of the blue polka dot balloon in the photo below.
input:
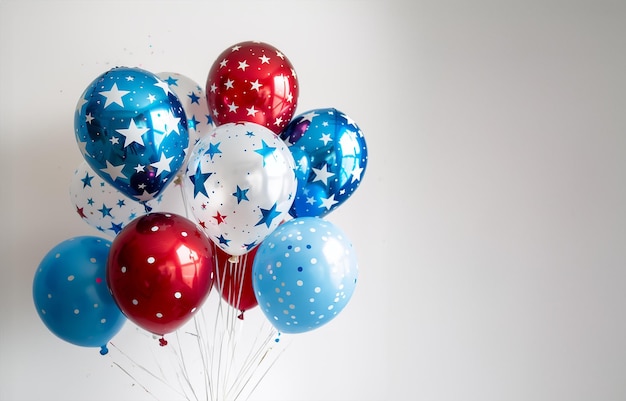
(304, 274)
(71, 294)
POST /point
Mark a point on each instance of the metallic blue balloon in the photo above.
(304, 274)
(331, 156)
(132, 130)
(71, 294)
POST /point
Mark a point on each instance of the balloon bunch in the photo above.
(256, 182)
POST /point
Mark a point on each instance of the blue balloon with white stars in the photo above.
(132, 130)
(71, 294)
(331, 157)
(304, 274)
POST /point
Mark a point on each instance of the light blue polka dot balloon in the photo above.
(71, 294)
(304, 274)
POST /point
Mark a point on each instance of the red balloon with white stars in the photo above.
(253, 82)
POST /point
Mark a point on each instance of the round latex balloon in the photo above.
(331, 156)
(132, 130)
(160, 271)
(71, 295)
(240, 184)
(99, 204)
(254, 82)
(304, 274)
(193, 99)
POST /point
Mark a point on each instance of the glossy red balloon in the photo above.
(160, 270)
(253, 82)
(234, 279)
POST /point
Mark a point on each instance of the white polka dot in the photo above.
(193, 309)
(311, 300)
(312, 229)
(330, 307)
(299, 238)
(76, 311)
(320, 317)
(135, 302)
(286, 254)
(151, 259)
(95, 305)
(103, 321)
(313, 261)
(92, 260)
(177, 295)
(296, 249)
(299, 283)
(184, 233)
(292, 306)
(58, 255)
(154, 228)
(279, 264)
(70, 278)
(280, 300)
(159, 315)
(49, 296)
(317, 290)
(123, 269)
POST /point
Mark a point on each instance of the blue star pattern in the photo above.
(250, 188)
(132, 130)
(101, 205)
(331, 157)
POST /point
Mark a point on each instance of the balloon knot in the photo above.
(233, 259)
(162, 342)
(147, 207)
(240, 317)
(104, 350)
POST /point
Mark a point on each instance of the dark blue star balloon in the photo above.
(331, 156)
(132, 131)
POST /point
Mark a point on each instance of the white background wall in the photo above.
(490, 225)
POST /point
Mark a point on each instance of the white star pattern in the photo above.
(309, 116)
(356, 173)
(163, 85)
(114, 172)
(114, 96)
(145, 196)
(163, 164)
(252, 111)
(326, 138)
(264, 59)
(328, 202)
(243, 65)
(88, 118)
(171, 123)
(133, 134)
(255, 85)
(322, 174)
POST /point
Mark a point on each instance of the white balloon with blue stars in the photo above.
(101, 205)
(240, 183)
(132, 130)
(304, 274)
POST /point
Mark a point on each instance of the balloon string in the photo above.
(148, 371)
